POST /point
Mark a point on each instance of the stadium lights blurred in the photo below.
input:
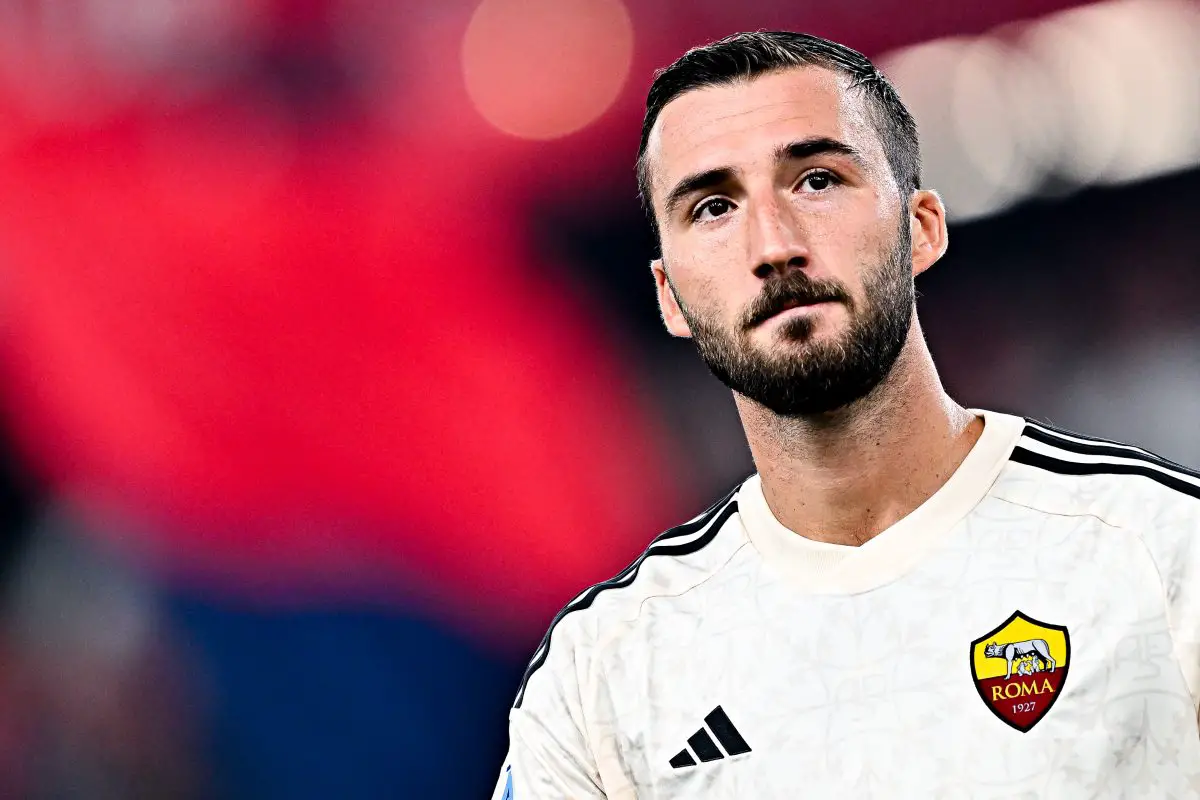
(541, 69)
(1102, 94)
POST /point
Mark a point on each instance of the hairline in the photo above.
(850, 83)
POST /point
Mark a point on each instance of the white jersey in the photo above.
(1031, 630)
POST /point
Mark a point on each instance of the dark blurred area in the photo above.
(330, 367)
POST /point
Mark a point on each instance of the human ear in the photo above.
(927, 218)
(668, 304)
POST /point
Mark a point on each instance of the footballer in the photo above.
(909, 598)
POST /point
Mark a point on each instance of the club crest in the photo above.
(1020, 667)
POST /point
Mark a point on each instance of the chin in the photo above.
(807, 330)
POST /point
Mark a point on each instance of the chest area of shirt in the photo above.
(1005, 665)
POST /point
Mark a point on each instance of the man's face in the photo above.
(786, 247)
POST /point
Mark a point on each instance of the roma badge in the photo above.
(1019, 668)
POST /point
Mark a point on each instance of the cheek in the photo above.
(699, 293)
(840, 245)
(702, 275)
(707, 297)
(857, 247)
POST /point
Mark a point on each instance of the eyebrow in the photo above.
(792, 151)
(819, 145)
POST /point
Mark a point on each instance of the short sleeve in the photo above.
(548, 756)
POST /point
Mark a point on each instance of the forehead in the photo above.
(738, 123)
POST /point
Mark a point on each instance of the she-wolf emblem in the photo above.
(1017, 650)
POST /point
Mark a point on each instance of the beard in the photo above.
(815, 377)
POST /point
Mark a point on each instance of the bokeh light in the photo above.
(541, 69)
(1105, 93)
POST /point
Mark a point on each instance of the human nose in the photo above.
(777, 242)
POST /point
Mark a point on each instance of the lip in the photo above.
(799, 310)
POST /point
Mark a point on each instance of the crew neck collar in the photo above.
(895, 550)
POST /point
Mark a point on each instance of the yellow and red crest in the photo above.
(1019, 668)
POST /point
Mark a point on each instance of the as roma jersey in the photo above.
(1032, 630)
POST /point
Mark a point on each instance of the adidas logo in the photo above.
(703, 745)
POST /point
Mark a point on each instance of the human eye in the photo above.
(711, 209)
(817, 180)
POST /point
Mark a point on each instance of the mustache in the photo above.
(795, 288)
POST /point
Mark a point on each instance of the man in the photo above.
(909, 598)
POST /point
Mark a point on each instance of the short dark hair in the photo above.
(747, 55)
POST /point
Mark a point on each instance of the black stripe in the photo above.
(704, 746)
(616, 581)
(727, 735)
(1100, 447)
(1030, 458)
(1066, 432)
(623, 579)
(721, 511)
(682, 759)
(685, 529)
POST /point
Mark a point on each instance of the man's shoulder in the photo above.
(675, 562)
(1059, 471)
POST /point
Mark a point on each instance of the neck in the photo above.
(845, 476)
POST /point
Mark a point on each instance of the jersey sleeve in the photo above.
(549, 757)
